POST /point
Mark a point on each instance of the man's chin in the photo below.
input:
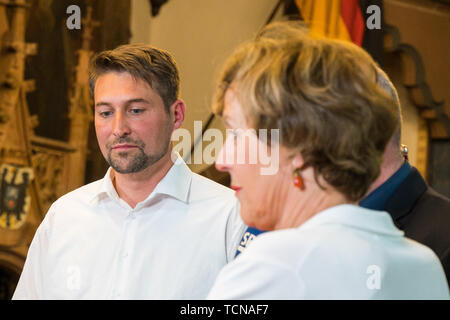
(123, 153)
(126, 163)
(126, 168)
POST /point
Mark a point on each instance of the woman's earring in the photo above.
(298, 181)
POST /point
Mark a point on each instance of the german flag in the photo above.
(344, 20)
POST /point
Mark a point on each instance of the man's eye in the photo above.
(136, 111)
(105, 114)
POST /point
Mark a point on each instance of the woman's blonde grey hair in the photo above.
(322, 95)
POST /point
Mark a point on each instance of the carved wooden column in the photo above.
(417, 45)
(81, 106)
(33, 169)
(20, 210)
(16, 127)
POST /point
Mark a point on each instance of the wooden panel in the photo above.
(439, 177)
(422, 148)
(425, 25)
(46, 156)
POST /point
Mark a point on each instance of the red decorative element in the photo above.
(298, 181)
(353, 20)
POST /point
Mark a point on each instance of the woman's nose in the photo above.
(225, 157)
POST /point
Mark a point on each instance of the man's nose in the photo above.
(120, 125)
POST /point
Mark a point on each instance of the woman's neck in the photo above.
(302, 205)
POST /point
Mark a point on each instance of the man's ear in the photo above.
(177, 110)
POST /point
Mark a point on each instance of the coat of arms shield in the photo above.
(14, 200)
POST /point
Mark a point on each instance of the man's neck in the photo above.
(136, 187)
(388, 168)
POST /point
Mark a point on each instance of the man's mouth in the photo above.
(123, 147)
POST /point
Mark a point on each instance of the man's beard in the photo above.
(136, 162)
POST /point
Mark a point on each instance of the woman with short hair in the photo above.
(320, 98)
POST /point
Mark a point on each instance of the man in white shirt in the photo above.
(150, 229)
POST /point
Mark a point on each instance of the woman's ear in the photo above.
(297, 160)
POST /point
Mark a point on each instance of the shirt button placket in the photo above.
(123, 262)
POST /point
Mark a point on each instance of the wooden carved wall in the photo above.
(31, 168)
(416, 39)
(46, 121)
(54, 67)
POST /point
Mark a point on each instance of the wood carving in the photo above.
(81, 103)
(419, 92)
(414, 80)
(51, 164)
(15, 127)
(34, 171)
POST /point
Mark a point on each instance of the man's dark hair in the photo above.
(155, 66)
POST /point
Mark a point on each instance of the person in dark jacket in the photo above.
(421, 212)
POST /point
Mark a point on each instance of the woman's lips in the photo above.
(236, 189)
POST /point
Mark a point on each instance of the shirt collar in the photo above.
(378, 198)
(356, 217)
(406, 195)
(105, 189)
(176, 183)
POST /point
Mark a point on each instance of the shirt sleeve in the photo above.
(30, 285)
(234, 232)
(254, 279)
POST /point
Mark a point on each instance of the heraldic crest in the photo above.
(14, 200)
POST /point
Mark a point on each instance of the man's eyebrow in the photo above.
(128, 102)
(137, 100)
(101, 103)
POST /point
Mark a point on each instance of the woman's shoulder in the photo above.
(291, 238)
(286, 245)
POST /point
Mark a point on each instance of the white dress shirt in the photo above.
(93, 245)
(344, 252)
